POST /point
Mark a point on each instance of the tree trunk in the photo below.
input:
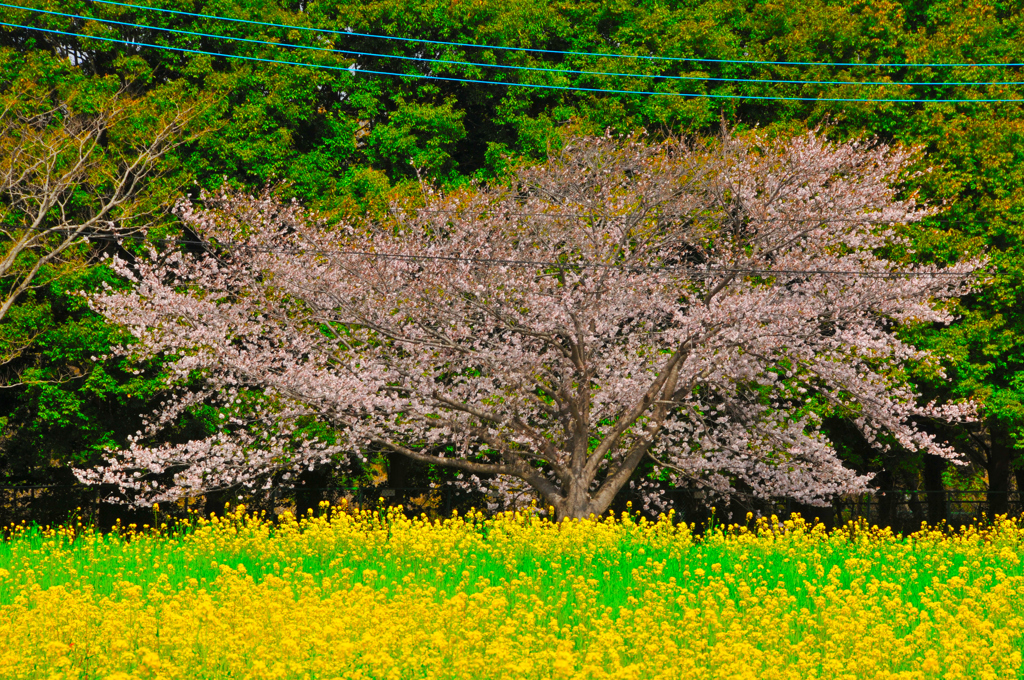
(1019, 473)
(999, 471)
(916, 511)
(886, 499)
(311, 491)
(399, 469)
(578, 505)
(215, 502)
(934, 466)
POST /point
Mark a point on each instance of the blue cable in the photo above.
(506, 66)
(531, 49)
(353, 71)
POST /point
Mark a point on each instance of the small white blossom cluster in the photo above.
(545, 339)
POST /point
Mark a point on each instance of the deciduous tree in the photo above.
(626, 301)
(75, 162)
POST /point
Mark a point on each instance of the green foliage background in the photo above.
(344, 142)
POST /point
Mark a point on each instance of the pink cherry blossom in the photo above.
(625, 301)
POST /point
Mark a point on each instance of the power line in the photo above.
(498, 214)
(544, 51)
(688, 272)
(654, 215)
(703, 273)
(535, 69)
(353, 70)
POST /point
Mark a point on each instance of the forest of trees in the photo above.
(188, 101)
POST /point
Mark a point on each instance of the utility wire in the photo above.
(655, 215)
(866, 219)
(353, 70)
(544, 51)
(689, 272)
(535, 69)
(499, 214)
(102, 236)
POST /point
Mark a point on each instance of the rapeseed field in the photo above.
(375, 595)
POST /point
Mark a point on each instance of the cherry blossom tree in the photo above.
(690, 305)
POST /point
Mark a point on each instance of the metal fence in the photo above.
(55, 504)
(904, 510)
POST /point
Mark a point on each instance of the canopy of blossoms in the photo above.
(693, 306)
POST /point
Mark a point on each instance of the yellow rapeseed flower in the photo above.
(377, 595)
